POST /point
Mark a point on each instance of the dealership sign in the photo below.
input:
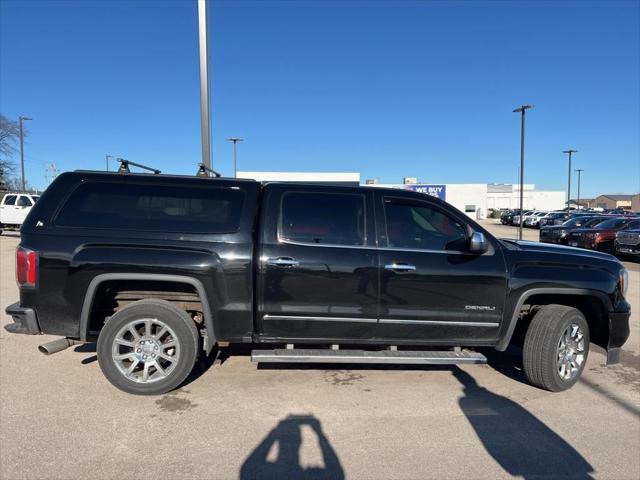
(439, 191)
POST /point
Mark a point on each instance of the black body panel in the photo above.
(299, 264)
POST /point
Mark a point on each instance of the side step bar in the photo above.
(363, 356)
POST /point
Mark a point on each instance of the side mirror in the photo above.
(478, 243)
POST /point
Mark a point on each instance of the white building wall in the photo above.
(470, 198)
(545, 200)
(533, 199)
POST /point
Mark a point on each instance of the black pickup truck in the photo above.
(159, 269)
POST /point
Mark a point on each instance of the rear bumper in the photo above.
(25, 320)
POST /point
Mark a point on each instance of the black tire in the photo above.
(541, 343)
(180, 324)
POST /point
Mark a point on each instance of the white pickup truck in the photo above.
(14, 209)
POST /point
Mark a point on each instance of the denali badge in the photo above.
(485, 308)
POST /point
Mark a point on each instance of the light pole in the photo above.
(570, 152)
(22, 119)
(107, 157)
(522, 109)
(235, 141)
(204, 83)
(579, 170)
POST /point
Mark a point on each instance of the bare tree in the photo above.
(9, 137)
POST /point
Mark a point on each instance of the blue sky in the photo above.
(389, 89)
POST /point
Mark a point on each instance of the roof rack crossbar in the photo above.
(204, 171)
(124, 166)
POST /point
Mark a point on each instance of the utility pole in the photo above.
(204, 83)
(22, 119)
(235, 141)
(570, 152)
(522, 109)
(107, 157)
(579, 170)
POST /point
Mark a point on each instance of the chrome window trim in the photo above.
(386, 249)
(319, 319)
(446, 252)
(438, 322)
(331, 245)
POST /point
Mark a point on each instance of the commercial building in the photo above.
(614, 201)
(475, 199)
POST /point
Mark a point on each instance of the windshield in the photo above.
(575, 222)
(632, 225)
(35, 197)
(592, 222)
(611, 223)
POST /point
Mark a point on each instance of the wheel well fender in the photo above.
(98, 280)
(565, 296)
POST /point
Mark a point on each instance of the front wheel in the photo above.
(556, 347)
(148, 348)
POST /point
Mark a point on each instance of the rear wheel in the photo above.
(148, 348)
(556, 347)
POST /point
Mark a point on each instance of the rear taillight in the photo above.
(26, 267)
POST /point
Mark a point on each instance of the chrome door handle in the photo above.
(283, 262)
(402, 267)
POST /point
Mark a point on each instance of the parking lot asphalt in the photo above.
(61, 419)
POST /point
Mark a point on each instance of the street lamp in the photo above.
(107, 157)
(579, 170)
(204, 83)
(22, 119)
(235, 141)
(570, 152)
(522, 109)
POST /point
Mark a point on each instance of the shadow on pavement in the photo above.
(287, 437)
(522, 445)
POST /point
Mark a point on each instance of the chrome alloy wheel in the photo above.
(145, 350)
(570, 353)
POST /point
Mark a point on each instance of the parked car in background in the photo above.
(552, 218)
(14, 209)
(558, 233)
(627, 242)
(601, 236)
(532, 220)
(516, 218)
(507, 217)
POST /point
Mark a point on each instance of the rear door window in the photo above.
(323, 218)
(24, 201)
(10, 200)
(153, 207)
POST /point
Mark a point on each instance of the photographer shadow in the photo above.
(287, 437)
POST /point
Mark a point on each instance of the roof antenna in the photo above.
(124, 166)
(204, 171)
